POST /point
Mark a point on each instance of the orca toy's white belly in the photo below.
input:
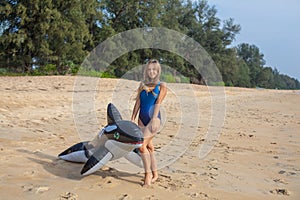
(119, 149)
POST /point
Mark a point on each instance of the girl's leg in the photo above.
(148, 157)
(153, 161)
(145, 155)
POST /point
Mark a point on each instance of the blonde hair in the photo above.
(147, 81)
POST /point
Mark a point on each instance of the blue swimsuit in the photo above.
(148, 100)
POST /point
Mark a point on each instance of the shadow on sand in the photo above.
(69, 170)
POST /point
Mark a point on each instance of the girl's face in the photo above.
(152, 71)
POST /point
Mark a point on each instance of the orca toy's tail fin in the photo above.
(113, 115)
(76, 153)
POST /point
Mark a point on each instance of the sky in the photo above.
(271, 25)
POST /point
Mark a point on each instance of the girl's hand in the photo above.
(132, 120)
(155, 124)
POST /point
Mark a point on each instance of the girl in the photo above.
(151, 93)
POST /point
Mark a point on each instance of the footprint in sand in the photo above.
(168, 183)
(68, 196)
(125, 197)
(109, 182)
(280, 191)
(282, 181)
(152, 197)
(42, 189)
(35, 189)
(198, 195)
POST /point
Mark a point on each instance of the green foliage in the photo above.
(243, 75)
(254, 60)
(218, 84)
(45, 37)
(91, 73)
(71, 68)
(169, 78)
(261, 76)
(107, 75)
(170, 75)
(184, 79)
(42, 31)
(3, 71)
(48, 69)
(95, 73)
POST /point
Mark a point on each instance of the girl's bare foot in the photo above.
(154, 176)
(147, 180)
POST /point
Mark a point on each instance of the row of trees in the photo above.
(59, 34)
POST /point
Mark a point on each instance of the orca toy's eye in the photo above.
(116, 135)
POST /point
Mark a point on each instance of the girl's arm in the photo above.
(155, 122)
(160, 98)
(136, 107)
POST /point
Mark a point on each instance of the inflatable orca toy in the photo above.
(120, 138)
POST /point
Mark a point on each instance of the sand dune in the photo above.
(256, 155)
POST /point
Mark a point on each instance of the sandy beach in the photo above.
(256, 155)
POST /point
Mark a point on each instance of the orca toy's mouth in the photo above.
(135, 143)
(130, 142)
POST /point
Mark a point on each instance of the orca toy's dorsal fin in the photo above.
(113, 115)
